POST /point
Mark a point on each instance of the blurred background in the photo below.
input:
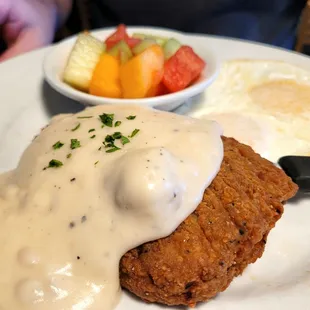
(86, 15)
(282, 23)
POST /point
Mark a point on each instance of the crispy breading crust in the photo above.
(214, 244)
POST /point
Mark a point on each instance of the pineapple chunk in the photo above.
(82, 61)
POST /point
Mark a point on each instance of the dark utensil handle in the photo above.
(298, 168)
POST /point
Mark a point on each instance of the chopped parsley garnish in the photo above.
(76, 127)
(107, 119)
(58, 145)
(81, 117)
(99, 148)
(113, 149)
(117, 123)
(110, 144)
(54, 163)
(69, 155)
(96, 162)
(124, 140)
(131, 117)
(117, 135)
(109, 138)
(75, 143)
(134, 133)
(93, 136)
(91, 130)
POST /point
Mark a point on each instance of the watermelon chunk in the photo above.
(121, 35)
(132, 42)
(118, 35)
(182, 69)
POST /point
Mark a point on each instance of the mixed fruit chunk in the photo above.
(137, 66)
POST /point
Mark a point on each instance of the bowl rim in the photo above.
(69, 91)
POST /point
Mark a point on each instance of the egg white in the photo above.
(265, 104)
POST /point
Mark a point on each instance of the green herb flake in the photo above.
(117, 123)
(58, 145)
(131, 117)
(102, 126)
(134, 133)
(54, 163)
(107, 119)
(81, 117)
(124, 140)
(91, 130)
(96, 162)
(111, 144)
(76, 127)
(117, 135)
(69, 155)
(113, 149)
(99, 148)
(75, 143)
(93, 136)
(109, 138)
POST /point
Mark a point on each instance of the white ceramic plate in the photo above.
(280, 280)
(55, 62)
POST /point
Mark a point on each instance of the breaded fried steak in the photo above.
(214, 244)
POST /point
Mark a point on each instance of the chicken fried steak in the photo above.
(228, 231)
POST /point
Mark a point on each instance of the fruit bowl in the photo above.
(56, 60)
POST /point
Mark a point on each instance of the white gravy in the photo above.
(64, 229)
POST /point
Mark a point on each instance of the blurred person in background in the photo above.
(29, 24)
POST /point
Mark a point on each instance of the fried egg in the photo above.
(265, 104)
